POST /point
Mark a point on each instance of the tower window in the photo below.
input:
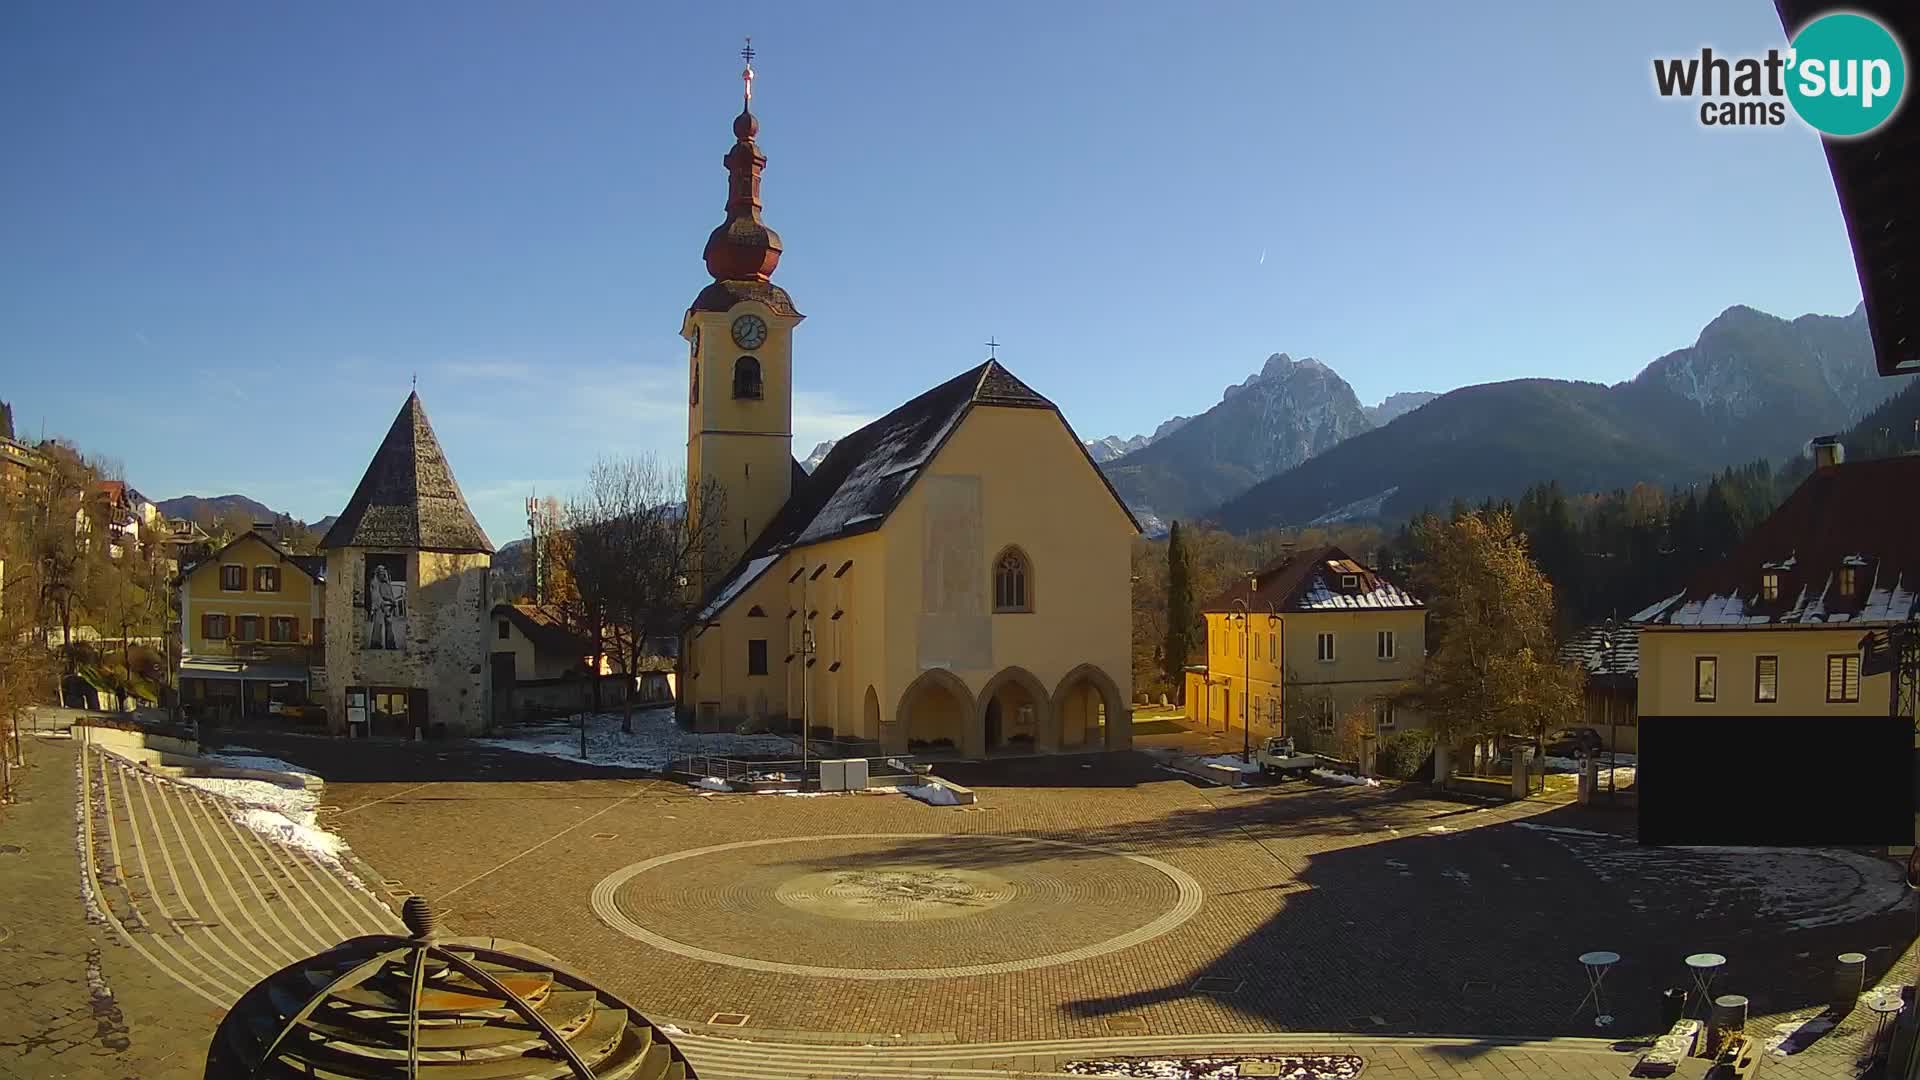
(1769, 587)
(746, 378)
(1012, 582)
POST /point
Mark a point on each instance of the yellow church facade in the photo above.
(951, 578)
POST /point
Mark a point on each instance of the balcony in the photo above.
(266, 652)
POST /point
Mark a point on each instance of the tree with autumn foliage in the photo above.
(1491, 667)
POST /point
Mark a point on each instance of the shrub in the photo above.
(1402, 753)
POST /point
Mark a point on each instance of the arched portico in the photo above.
(1090, 711)
(935, 708)
(1015, 712)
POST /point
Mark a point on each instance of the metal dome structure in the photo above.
(384, 1007)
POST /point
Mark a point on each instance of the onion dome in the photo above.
(743, 248)
(384, 1007)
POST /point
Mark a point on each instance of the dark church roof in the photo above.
(408, 497)
(860, 481)
(1875, 177)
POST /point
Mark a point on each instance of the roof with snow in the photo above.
(408, 497)
(863, 478)
(1318, 579)
(1588, 649)
(1855, 520)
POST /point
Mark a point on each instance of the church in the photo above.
(954, 577)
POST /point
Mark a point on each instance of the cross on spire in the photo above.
(993, 349)
(746, 73)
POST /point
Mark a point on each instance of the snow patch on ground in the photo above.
(1229, 761)
(655, 742)
(282, 814)
(713, 783)
(1289, 1066)
(932, 795)
(1802, 888)
(1346, 778)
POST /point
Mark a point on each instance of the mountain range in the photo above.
(1751, 386)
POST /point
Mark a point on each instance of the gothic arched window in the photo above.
(746, 377)
(1012, 581)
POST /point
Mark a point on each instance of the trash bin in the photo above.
(1673, 1006)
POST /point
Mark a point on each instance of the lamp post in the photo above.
(1246, 666)
(806, 658)
(1606, 660)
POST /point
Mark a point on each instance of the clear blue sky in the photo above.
(233, 232)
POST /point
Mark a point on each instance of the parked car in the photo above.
(1277, 756)
(1570, 742)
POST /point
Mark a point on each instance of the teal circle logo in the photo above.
(1846, 75)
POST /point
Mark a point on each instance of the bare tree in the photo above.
(635, 556)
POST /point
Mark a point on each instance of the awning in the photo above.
(208, 668)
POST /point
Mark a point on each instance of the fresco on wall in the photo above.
(954, 629)
(386, 595)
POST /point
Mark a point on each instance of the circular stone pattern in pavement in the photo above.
(896, 906)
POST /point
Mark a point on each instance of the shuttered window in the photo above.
(233, 578)
(213, 627)
(1843, 679)
(1766, 678)
(283, 628)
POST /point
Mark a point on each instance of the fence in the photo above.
(748, 769)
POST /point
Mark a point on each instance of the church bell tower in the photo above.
(739, 335)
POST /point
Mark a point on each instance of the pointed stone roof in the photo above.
(408, 497)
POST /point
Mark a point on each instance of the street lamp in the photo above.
(1606, 659)
(807, 648)
(1245, 617)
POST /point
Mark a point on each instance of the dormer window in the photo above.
(1847, 581)
(1349, 581)
(1769, 586)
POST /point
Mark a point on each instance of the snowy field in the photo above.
(1796, 887)
(655, 742)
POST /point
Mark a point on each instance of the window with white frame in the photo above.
(1383, 719)
(1323, 647)
(1323, 717)
(1383, 643)
(1843, 679)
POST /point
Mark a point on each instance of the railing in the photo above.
(292, 652)
(747, 769)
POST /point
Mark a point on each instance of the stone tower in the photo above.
(407, 612)
(739, 333)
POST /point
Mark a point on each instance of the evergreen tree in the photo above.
(1179, 613)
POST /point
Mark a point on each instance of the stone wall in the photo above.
(446, 646)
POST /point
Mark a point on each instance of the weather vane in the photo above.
(993, 348)
(746, 74)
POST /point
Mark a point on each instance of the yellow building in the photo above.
(253, 622)
(1779, 625)
(1304, 641)
(953, 576)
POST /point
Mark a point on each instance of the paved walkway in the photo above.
(188, 910)
(1315, 897)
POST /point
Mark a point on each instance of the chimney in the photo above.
(267, 528)
(1826, 450)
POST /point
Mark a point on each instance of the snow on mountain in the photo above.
(1396, 406)
(812, 461)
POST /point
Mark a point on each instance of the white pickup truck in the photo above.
(1276, 756)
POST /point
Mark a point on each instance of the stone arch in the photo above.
(1010, 686)
(935, 706)
(1075, 706)
(746, 378)
(870, 714)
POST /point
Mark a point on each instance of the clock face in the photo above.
(749, 331)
